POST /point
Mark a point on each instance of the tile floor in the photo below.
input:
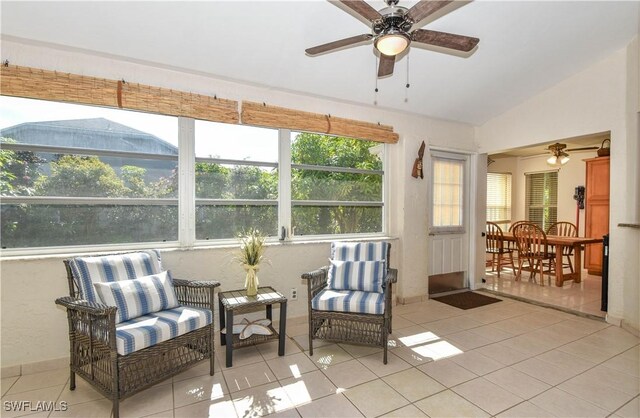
(508, 359)
(582, 297)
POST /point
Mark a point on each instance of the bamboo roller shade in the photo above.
(50, 85)
(260, 114)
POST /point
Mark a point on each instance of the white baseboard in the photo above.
(35, 367)
(613, 320)
(625, 326)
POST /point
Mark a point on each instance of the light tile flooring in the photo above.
(508, 359)
(582, 297)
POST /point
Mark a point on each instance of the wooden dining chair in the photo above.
(533, 247)
(496, 247)
(564, 229)
(512, 245)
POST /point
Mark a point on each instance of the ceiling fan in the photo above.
(391, 31)
(559, 154)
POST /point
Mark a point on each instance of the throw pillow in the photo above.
(138, 297)
(366, 276)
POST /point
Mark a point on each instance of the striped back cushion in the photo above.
(138, 297)
(359, 251)
(89, 270)
(366, 276)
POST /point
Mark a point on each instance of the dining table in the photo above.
(560, 243)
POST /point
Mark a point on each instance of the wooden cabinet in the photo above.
(596, 210)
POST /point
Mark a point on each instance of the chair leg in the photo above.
(72, 380)
(570, 263)
(513, 266)
(116, 408)
(520, 262)
(310, 337)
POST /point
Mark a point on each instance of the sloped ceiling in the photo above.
(525, 47)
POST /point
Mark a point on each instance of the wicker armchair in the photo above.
(97, 341)
(347, 315)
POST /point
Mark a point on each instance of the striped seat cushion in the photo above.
(359, 251)
(89, 270)
(366, 276)
(353, 301)
(148, 330)
(137, 297)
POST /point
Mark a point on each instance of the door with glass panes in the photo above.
(448, 241)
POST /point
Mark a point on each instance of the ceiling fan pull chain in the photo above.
(375, 77)
(406, 90)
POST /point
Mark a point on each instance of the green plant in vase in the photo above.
(250, 256)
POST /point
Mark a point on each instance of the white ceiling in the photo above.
(525, 47)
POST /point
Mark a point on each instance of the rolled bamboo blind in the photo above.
(260, 114)
(51, 85)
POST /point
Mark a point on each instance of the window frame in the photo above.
(318, 237)
(187, 202)
(464, 160)
(508, 207)
(527, 202)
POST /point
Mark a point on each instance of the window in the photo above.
(542, 198)
(499, 198)
(76, 175)
(448, 176)
(336, 185)
(236, 175)
(80, 175)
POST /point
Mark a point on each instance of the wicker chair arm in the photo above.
(197, 293)
(392, 276)
(82, 305)
(196, 283)
(93, 320)
(316, 281)
(320, 273)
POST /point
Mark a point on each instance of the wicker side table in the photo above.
(236, 302)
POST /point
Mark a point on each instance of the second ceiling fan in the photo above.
(393, 32)
(559, 155)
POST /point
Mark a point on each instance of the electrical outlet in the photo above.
(294, 294)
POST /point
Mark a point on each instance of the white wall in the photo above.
(29, 286)
(594, 100)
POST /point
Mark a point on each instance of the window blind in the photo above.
(541, 203)
(260, 114)
(499, 197)
(34, 83)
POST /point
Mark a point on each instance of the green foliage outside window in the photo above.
(49, 175)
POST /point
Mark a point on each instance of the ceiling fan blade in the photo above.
(444, 39)
(426, 8)
(338, 44)
(385, 67)
(582, 149)
(361, 8)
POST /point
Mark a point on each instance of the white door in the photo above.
(448, 222)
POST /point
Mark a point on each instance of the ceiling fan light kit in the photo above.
(392, 34)
(392, 43)
(559, 156)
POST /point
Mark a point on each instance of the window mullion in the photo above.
(187, 182)
(284, 183)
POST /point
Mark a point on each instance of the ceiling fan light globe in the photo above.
(552, 160)
(392, 44)
(564, 159)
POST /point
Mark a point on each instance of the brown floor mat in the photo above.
(467, 300)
